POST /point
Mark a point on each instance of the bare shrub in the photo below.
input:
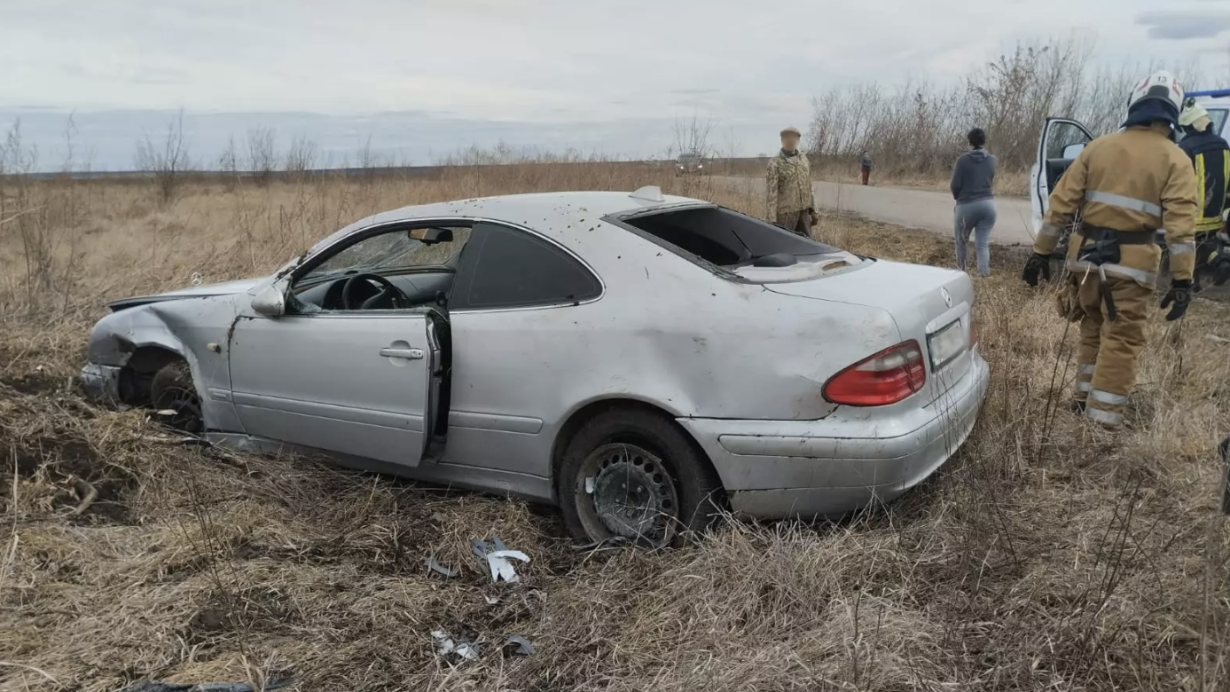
(228, 164)
(262, 154)
(301, 155)
(916, 129)
(166, 159)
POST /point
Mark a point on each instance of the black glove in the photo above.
(1180, 294)
(1037, 266)
(1219, 264)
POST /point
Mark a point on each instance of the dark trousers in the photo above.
(796, 221)
(866, 175)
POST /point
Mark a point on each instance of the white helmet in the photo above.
(1160, 86)
(1192, 113)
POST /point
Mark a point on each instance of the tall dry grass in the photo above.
(1044, 556)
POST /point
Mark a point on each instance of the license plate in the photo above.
(946, 344)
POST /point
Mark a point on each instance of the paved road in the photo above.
(925, 209)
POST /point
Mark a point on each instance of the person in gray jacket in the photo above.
(973, 178)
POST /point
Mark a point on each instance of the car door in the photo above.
(337, 365)
(1061, 141)
(360, 384)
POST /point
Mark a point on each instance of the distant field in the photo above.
(1045, 556)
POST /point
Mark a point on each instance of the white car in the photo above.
(639, 360)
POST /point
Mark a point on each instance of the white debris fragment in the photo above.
(447, 646)
(501, 568)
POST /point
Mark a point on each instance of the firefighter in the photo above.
(1210, 155)
(1119, 193)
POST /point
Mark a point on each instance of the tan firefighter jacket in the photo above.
(1132, 181)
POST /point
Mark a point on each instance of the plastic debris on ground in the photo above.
(449, 647)
(518, 646)
(497, 556)
(435, 566)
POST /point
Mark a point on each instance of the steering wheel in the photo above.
(352, 301)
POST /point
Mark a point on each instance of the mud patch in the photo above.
(64, 470)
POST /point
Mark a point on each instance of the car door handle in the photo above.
(406, 353)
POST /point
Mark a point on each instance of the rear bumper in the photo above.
(777, 469)
(101, 383)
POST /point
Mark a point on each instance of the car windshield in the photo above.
(727, 240)
(393, 250)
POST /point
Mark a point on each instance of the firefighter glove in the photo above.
(1180, 295)
(1038, 266)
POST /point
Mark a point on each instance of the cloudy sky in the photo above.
(425, 77)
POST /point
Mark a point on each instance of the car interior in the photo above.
(420, 273)
(1061, 137)
(728, 239)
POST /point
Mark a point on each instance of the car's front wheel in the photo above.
(632, 473)
(175, 399)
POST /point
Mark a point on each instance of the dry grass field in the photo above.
(1044, 556)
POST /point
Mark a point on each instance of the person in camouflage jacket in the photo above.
(792, 202)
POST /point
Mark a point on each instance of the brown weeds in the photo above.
(1044, 556)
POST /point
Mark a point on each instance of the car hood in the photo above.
(224, 288)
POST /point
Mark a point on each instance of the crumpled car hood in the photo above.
(205, 291)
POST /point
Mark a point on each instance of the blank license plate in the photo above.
(946, 344)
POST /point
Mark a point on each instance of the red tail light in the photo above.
(885, 378)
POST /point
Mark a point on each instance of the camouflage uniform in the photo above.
(1131, 184)
(791, 199)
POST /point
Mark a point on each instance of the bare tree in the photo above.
(228, 164)
(166, 159)
(301, 156)
(262, 154)
(691, 137)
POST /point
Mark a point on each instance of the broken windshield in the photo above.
(389, 251)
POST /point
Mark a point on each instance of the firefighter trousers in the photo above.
(1108, 359)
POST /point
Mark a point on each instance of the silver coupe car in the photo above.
(640, 360)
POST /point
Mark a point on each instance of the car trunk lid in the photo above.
(931, 306)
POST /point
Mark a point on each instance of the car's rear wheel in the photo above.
(631, 473)
(175, 399)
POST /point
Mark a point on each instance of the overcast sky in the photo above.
(596, 74)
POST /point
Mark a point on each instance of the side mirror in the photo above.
(1072, 151)
(271, 301)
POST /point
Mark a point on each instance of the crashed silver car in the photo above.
(640, 360)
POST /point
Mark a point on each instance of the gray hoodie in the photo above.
(973, 177)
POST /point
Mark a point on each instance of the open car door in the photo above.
(1062, 140)
(364, 383)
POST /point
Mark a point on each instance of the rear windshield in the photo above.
(726, 238)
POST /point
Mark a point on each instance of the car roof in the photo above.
(549, 213)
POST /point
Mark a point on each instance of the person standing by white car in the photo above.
(973, 179)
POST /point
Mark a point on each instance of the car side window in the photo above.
(512, 268)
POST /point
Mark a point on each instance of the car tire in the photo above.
(173, 390)
(642, 445)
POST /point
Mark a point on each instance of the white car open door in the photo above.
(1062, 139)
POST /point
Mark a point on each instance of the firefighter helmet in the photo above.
(1159, 86)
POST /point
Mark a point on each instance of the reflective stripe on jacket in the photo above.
(1210, 156)
(1135, 180)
